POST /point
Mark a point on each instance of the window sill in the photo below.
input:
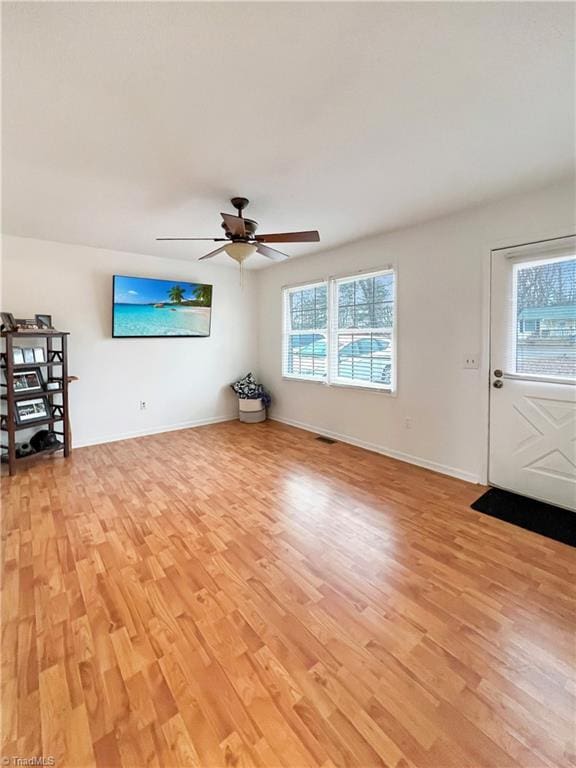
(305, 380)
(342, 385)
(364, 388)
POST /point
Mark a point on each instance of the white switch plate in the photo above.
(471, 360)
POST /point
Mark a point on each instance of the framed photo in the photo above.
(39, 356)
(29, 355)
(18, 355)
(8, 321)
(44, 321)
(28, 381)
(35, 409)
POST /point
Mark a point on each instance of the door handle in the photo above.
(498, 384)
(498, 373)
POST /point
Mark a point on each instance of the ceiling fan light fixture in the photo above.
(240, 251)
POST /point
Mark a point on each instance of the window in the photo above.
(544, 338)
(363, 330)
(305, 332)
(342, 331)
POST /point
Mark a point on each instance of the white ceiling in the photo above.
(125, 121)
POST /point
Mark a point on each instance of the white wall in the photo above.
(183, 381)
(442, 314)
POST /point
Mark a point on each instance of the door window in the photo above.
(544, 317)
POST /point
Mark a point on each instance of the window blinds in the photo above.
(305, 329)
(362, 330)
(342, 331)
(541, 335)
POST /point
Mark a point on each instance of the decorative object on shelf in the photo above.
(44, 322)
(23, 408)
(23, 449)
(27, 381)
(35, 409)
(24, 325)
(44, 439)
(253, 399)
(8, 321)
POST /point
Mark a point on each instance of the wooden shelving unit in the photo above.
(55, 345)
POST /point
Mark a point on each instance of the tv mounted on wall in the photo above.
(146, 307)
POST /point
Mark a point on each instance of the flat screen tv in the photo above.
(146, 307)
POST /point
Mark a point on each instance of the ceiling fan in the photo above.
(241, 238)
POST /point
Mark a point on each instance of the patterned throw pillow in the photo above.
(246, 388)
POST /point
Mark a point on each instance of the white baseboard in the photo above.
(393, 454)
(153, 431)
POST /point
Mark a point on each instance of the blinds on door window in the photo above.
(541, 337)
(305, 327)
(362, 330)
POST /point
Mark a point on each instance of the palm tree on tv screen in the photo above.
(176, 294)
(203, 294)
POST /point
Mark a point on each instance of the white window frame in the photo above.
(331, 331)
(517, 263)
(333, 318)
(286, 334)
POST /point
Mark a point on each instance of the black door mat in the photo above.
(545, 519)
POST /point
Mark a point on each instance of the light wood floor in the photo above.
(242, 595)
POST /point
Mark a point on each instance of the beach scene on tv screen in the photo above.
(148, 307)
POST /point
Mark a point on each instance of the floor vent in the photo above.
(325, 439)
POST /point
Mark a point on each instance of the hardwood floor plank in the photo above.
(240, 596)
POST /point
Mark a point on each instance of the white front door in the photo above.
(533, 371)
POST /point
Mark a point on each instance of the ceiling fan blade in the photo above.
(234, 224)
(271, 253)
(213, 253)
(311, 236)
(213, 239)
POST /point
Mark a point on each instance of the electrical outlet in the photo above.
(471, 360)
(408, 422)
(143, 405)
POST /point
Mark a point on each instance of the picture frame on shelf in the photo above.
(29, 355)
(44, 322)
(18, 356)
(29, 411)
(39, 356)
(8, 321)
(28, 381)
